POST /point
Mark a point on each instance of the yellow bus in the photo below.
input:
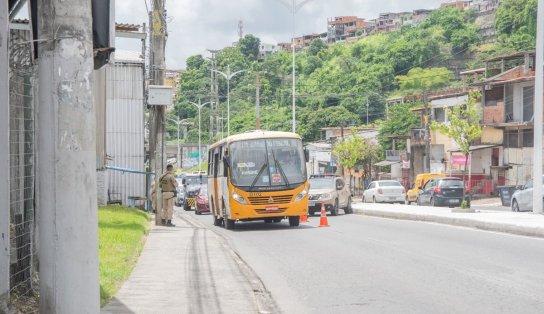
(257, 175)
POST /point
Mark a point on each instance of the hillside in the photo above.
(335, 83)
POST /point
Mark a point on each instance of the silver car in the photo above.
(384, 191)
(522, 200)
(331, 192)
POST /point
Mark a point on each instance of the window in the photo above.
(528, 102)
(528, 138)
(440, 114)
(509, 103)
(511, 139)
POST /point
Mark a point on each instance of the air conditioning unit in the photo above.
(488, 87)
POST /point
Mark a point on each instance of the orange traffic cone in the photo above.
(323, 222)
(304, 218)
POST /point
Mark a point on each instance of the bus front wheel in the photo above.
(294, 221)
(229, 223)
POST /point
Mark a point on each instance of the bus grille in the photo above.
(270, 200)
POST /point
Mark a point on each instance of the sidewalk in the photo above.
(527, 224)
(188, 269)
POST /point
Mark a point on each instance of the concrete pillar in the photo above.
(4, 158)
(67, 215)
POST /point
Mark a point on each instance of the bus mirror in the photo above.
(307, 154)
(225, 166)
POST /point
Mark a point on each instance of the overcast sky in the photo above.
(197, 25)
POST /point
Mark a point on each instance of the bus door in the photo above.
(216, 159)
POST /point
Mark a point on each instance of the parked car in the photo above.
(522, 200)
(384, 191)
(202, 205)
(443, 192)
(331, 191)
(413, 193)
(191, 188)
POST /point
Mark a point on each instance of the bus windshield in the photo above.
(271, 162)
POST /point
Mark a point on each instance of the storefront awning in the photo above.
(474, 148)
(385, 163)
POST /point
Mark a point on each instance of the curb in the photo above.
(462, 222)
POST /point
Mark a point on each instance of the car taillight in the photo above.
(201, 200)
(380, 191)
(437, 190)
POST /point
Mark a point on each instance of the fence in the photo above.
(21, 168)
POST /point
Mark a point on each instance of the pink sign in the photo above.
(458, 160)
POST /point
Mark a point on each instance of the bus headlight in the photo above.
(301, 195)
(237, 197)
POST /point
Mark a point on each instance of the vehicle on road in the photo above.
(422, 178)
(522, 199)
(180, 197)
(202, 205)
(384, 191)
(258, 175)
(330, 191)
(443, 192)
(191, 188)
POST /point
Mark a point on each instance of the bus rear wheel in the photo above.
(294, 221)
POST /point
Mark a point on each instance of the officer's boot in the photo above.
(163, 222)
(170, 224)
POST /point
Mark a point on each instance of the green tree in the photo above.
(515, 22)
(195, 62)
(249, 46)
(464, 126)
(419, 79)
(316, 46)
(355, 150)
(401, 119)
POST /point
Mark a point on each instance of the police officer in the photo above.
(168, 186)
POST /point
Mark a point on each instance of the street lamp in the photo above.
(228, 76)
(293, 7)
(179, 122)
(199, 106)
(367, 104)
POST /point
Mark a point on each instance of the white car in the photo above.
(522, 200)
(384, 191)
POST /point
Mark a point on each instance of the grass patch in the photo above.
(121, 237)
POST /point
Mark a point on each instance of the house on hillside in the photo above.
(508, 106)
(343, 27)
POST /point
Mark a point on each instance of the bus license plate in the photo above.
(454, 201)
(271, 208)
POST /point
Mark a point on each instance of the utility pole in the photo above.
(66, 164)
(427, 120)
(4, 159)
(157, 65)
(228, 76)
(257, 103)
(367, 104)
(200, 106)
(214, 84)
(538, 120)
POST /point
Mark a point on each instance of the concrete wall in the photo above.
(521, 161)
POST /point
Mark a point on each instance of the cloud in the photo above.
(197, 25)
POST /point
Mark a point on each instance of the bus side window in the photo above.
(220, 166)
(210, 162)
(215, 162)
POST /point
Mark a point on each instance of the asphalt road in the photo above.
(373, 265)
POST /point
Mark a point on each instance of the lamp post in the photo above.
(367, 104)
(228, 76)
(179, 122)
(293, 7)
(199, 106)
